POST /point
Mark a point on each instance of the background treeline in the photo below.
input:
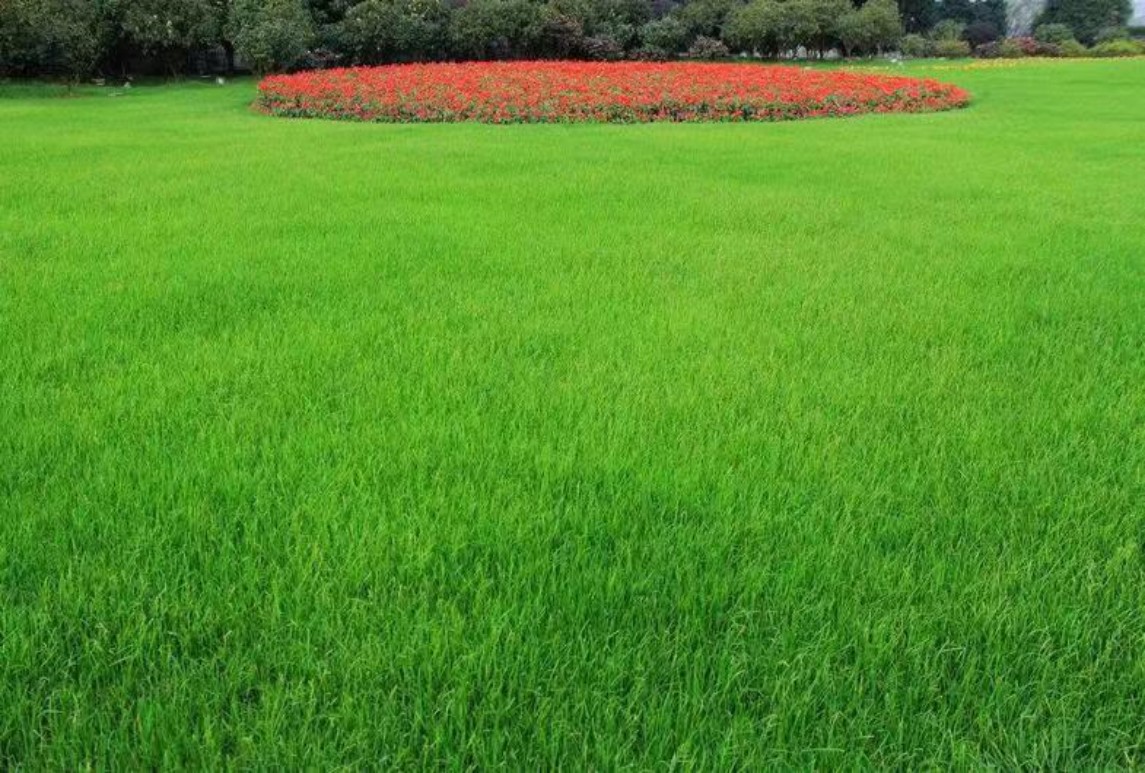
(84, 38)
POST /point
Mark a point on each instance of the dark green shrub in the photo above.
(981, 32)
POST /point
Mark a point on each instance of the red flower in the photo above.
(628, 92)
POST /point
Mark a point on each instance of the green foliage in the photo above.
(170, 27)
(496, 29)
(1087, 18)
(797, 23)
(706, 17)
(378, 31)
(1114, 48)
(60, 38)
(1071, 49)
(1055, 34)
(271, 34)
(667, 35)
(279, 34)
(774, 26)
(755, 27)
(561, 34)
(950, 49)
(825, 15)
(874, 27)
(915, 46)
(948, 29)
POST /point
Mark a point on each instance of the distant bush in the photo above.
(1071, 49)
(704, 47)
(915, 46)
(1118, 48)
(649, 54)
(1000, 49)
(1029, 46)
(602, 48)
(1055, 34)
(950, 49)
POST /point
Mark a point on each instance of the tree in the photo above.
(755, 27)
(917, 15)
(667, 36)
(706, 17)
(561, 34)
(1087, 18)
(496, 29)
(170, 29)
(874, 27)
(66, 38)
(798, 24)
(827, 14)
(270, 34)
(377, 31)
(970, 11)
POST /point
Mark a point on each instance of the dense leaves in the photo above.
(77, 38)
(558, 92)
(1088, 19)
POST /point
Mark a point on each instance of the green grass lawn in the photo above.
(664, 446)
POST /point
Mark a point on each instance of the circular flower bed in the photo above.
(565, 92)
